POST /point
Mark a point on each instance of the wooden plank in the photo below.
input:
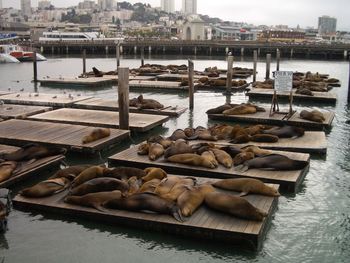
(287, 179)
(7, 149)
(109, 119)
(131, 77)
(161, 85)
(204, 224)
(76, 82)
(42, 99)
(28, 170)
(12, 111)
(325, 97)
(277, 119)
(57, 134)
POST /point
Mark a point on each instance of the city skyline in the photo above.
(268, 12)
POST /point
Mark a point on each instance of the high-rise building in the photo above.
(106, 4)
(26, 7)
(168, 6)
(189, 7)
(327, 25)
(44, 4)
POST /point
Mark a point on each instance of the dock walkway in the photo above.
(13, 111)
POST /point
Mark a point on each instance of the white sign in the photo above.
(283, 81)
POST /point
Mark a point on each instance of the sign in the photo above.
(284, 81)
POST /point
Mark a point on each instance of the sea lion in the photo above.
(161, 140)
(179, 147)
(314, 115)
(33, 151)
(96, 134)
(155, 151)
(142, 103)
(219, 109)
(240, 110)
(201, 133)
(255, 129)
(149, 186)
(168, 183)
(124, 173)
(202, 147)
(88, 174)
(143, 149)
(264, 138)
(223, 157)
(189, 132)
(178, 134)
(134, 185)
(256, 150)
(178, 189)
(234, 205)
(191, 159)
(70, 172)
(246, 186)
(242, 157)
(275, 162)
(46, 188)
(192, 198)
(94, 200)
(6, 170)
(209, 155)
(231, 150)
(97, 73)
(286, 131)
(101, 184)
(304, 91)
(221, 131)
(152, 173)
(146, 202)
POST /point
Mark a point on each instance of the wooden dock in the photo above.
(277, 119)
(112, 105)
(92, 82)
(324, 97)
(156, 85)
(115, 78)
(42, 99)
(13, 111)
(108, 119)
(19, 132)
(288, 180)
(222, 88)
(205, 223)
(33, 169)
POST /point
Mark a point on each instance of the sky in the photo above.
(268, 12)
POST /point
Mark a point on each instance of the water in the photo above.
(311, 226)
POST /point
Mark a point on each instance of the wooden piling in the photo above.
(191, 83)
(255, 64)
(229, 74)
(84, 61)
(142, 56)
(349, 83)
(118, 54)
(123, 98)
(268, 64)
(278, 58)
(35, 68)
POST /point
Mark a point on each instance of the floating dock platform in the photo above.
(288, 180)
(92, 82)
(112, 105)
(12, 111)
(108, 119)
(156, 85)
(204, 224)
(19, 132)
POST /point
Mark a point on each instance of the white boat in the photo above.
(75, 36)
(14, 53)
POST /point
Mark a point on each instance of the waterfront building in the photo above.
(44, 4)
(26, 7)
(168, 6)
(193, 28)
(189, 7)
(281, 36)
(327, 25)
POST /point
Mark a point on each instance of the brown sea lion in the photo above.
(70, 172)
(146, 202)
(219, 109)
(95, 200)
(202, 147)
(33, 151)
(255, 129)
(240, 110)
(6, 170)
(264, 138)
(231, 150)
(154, 172)
(209, 155)
(202, 133)
(46, 188)
(168, 183)
(189, 132)
(286, 131)
(101, 184)
(246, 186)
(221, 131)
(234, 205)
(149, 186)
(256, 150)
(161, 140)
(191, 199)
(304, 91)
(88, 174)
(242, 157)
(155, 151)
(314, 115)
(178, 189)
(96, 134)
(223, 157)
(143, 149)
(97, 72)
(178, 134)
(179, 147)
(275, 162)
(134, 185)
(191, 159)
(124, 173)
(142, 103)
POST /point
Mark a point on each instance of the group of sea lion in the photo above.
(313, 115)
(12, 162)
(142, 103)
(151, 189)
(236, 109)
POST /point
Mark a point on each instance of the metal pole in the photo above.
(123, 98)
(229, 74)
(84, 61)
(255, 64)
(349, 83)
(191, 83)
(142, 56)
(268, 63)
(118, 54)
(35, 68)
(278, 58)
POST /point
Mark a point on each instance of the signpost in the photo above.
(283, 84)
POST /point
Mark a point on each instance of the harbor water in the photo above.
(312, 225)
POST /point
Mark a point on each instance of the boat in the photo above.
(11, 53)
(75, 37)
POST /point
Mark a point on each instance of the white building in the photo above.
(189, 7)
(44, 4)
(87, 4)
(327, 25)
(26, 7)
(168, 6)
(193, 28)
(106, 4)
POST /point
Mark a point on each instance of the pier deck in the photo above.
(92, 82)
(160, 85)
(288, 180)
(108, 119)
(112, 105)
(13, 111)
(205, 223)
(19, 132)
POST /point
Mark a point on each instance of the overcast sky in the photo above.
(258, 12)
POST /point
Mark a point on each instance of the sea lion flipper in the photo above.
(194, 137)
(241, 168)
(243, 194)
(177, 214)
(294, 137)
(100, 208)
